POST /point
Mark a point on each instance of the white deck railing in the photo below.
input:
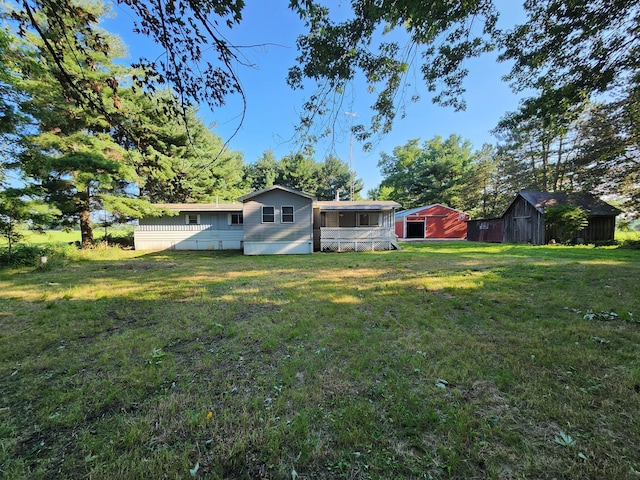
(360, 233)
(360, 239)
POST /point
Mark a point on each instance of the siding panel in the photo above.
(278, 234)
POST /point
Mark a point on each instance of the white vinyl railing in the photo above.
(357, 239)
(360, 233)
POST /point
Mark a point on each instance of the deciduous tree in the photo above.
(431, 173)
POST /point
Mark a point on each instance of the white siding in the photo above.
(207, 239)
(164, 233)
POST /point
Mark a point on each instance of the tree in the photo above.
(432, 173)
(263, 173)
(565, 51)
(302, 172)
(16, 211)
(70, 152)
(334, 176)
(334, 52)
(180, 160)
(197, 64)
(544, 147)
(565, 221)
(573, 51)
(608, 160)
(483, 194)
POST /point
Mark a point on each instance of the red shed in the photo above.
(431, 221)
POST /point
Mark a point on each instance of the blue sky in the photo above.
(269, 30)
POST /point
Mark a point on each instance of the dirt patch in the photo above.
(489, 400)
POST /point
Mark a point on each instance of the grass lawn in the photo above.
(61, 236)
(443, 360)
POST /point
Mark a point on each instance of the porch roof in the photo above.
(358, 205)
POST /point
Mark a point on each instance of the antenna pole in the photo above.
(351, 175)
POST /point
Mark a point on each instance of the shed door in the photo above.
(415, 229)
(523, 231)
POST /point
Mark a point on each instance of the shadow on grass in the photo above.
(326, 364)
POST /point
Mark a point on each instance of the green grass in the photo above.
(121, 364)
(61, 236)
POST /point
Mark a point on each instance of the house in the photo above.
(275, 220)
(192, 227)
(523, 220)
(431, 221)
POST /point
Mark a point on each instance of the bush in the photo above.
(564, 222)
(24, 255)
(606, 243)
(631, 243)
(123, 239)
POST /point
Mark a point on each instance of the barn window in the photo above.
(192, 219)
(287, 214)
(268, 214)
(235, 219)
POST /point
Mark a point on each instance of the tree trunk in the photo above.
(86, 228)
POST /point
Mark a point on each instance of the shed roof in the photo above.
(257, 193)
(357, 205)
(200, 207)
(413, 211)
(593, 205)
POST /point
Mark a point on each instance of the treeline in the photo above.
(69, 161)
(593, 147)
(86, 133)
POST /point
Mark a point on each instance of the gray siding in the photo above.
(523, 223)
(299, 230)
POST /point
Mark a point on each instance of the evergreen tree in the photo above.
(72, 155)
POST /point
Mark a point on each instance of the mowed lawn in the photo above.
(443, 360)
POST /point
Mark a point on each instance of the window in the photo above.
(235, 219)
(368, 219)
(192, 219)
(287, 214)
(268, 214)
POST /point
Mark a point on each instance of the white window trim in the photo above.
(188, 216)
(293, 213)
(370, 215)
(262, 213)
(230, 218)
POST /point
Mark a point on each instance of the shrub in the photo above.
(122, 239)
(565, 221)
(23, 255)
(606, 243)
(631, 243)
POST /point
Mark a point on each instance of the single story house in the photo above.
(431, 221)
(275, 220)
(523, 220)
